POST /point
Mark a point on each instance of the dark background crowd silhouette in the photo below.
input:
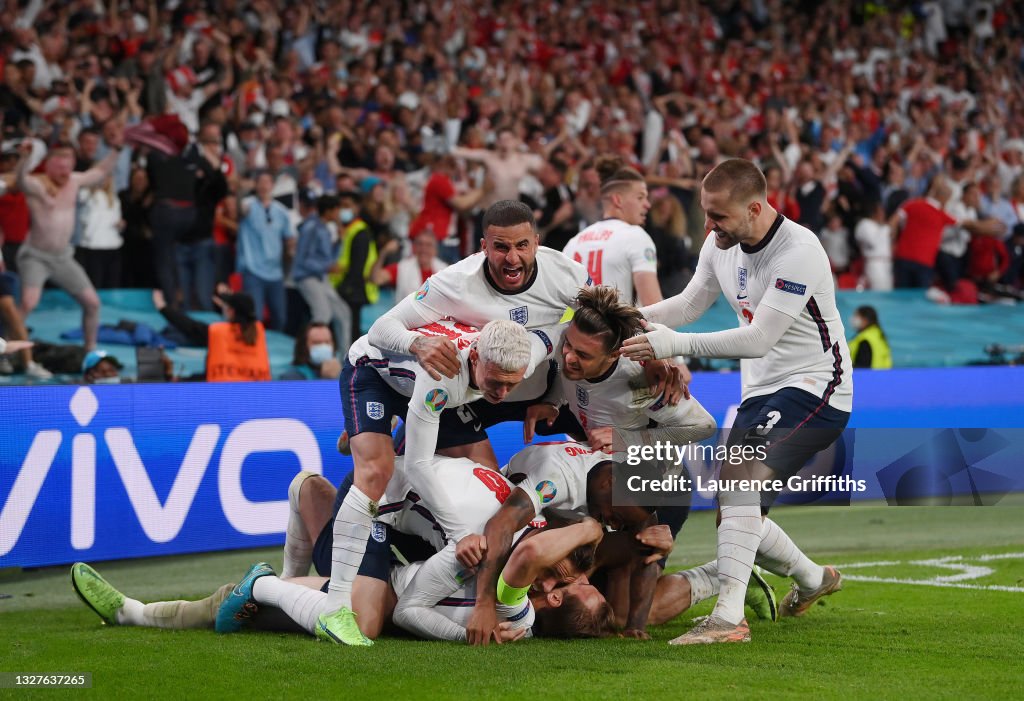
(310, 153)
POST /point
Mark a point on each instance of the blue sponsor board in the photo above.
(106, 472)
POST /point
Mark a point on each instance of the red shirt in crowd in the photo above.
(782, 203)
(436, 212)
(392, 271)
(14, 217)
(987, 255)
(923, 223)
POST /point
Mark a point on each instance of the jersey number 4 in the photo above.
(593, 264)
(493, 481)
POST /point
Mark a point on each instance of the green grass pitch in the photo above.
(875, 639)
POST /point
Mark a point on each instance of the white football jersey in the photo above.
(554, 475)
(621, 398)
(403, 511)
(477, 492)
(612, 251)
(789, 272)
(435, 599)
(465, 292)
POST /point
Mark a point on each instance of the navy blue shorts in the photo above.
(379, 558)
(367, 401)
(794, 425)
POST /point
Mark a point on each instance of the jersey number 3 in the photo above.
(593, 264)
(493, 481)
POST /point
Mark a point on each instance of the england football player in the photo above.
(567, 476)
(431, 600)
(796, 374)
(426, 598)
(376, 385)
(607, 394)
(512, 277)
(617, 251)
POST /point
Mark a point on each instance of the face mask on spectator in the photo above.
(346, 215)
(113, 380)
(320, 353)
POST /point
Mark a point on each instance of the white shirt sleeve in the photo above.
(429, 398)
(392, 331)
(439, 297)
(545, 484)
(437, 579)
(643, 256)
(753, 341)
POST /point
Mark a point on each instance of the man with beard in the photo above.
(796, 373)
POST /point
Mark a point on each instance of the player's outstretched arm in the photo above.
(393, 332)
(753, 341)
(515, 513)
(544, 550)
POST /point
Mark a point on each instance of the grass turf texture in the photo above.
(872, 640)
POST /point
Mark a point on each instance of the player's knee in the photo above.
(316, 494)
(90, 301)
(705, 426)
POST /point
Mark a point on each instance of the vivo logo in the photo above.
(161, 522)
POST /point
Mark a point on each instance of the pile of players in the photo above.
(428, 534)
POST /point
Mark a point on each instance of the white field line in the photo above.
(952, 562)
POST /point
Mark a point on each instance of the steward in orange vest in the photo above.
(238, 346)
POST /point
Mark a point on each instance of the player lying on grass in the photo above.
(544, 592)
(476, 491)
(571, 476)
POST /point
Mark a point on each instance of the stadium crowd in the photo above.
(322, 150)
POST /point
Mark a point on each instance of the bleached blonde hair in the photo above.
(504, 343)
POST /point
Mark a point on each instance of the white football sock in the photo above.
(130, 613)
(177, 615)
(703, 582)
(301, 604)
(780, 555)
(738, 538)
(298, 545)
(351, 530)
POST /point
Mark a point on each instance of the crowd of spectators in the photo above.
(258, 130)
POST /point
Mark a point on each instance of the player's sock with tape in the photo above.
(738, 537)
(351, 530)
(703, 582)
(298, 546)
(301, 604)
(177, 615)
(130, 613)
(779, 555)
